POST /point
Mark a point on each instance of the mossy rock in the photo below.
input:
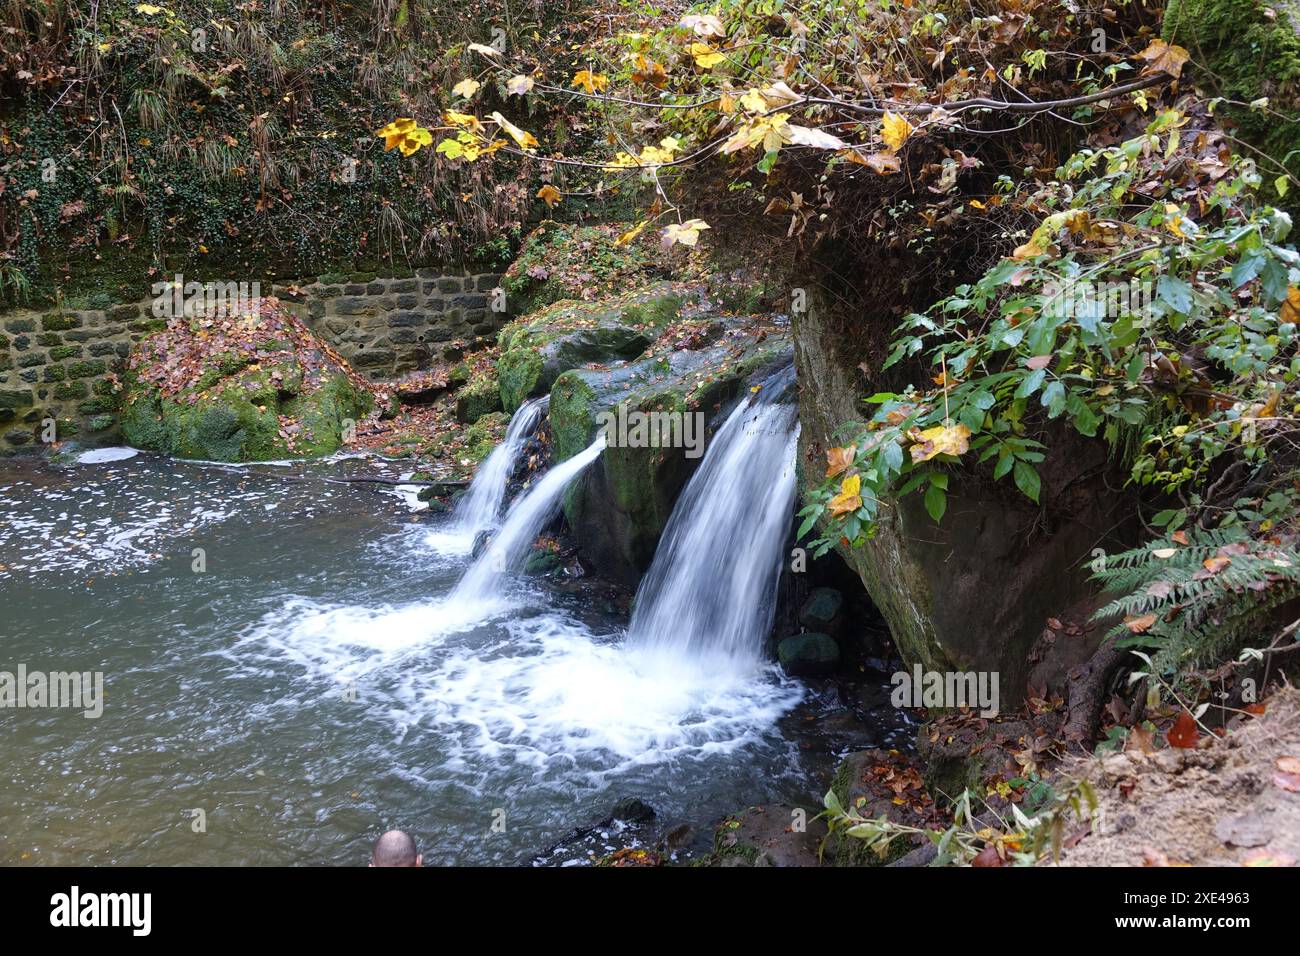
(480, 396)
(809, 654)
(568, 335)
(619, 507)
(485, 434)
(232, 411)
(1248, 54)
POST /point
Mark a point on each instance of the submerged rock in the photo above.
(246, 388)
(808, 655)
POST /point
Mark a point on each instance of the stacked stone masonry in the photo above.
(58, 367)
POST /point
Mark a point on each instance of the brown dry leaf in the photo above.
(839, 459)
(1162, 57)
(1183, 733)
(1141, 739)
(1288, 764)
(1290, 311)
(1216, 564)
(1140, 625)
(884, 163)
(1290, 782)
(988, 857)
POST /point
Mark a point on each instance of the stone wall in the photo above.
(58, 365)
(387, 327)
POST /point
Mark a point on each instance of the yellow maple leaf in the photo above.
(632, 233)
(849, 499)
(939, 440)
(463, 120)
(396, 132)
(706, 58)
(894, 130)
(686, 233)
(591, 82)
(549, 195)
(415, 139)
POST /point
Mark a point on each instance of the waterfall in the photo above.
(710, 593)
(527, 517)
(479, 508)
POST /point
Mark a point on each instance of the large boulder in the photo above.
(973, 591)
(620, 505)
(240, 388)
(537, 349)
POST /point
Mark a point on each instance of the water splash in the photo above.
(507, 552)
(709, 597)
(478, 510)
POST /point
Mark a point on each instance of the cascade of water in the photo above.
(509, 548)
(710, 593)
(479, 508)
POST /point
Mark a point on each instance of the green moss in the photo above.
(237, 418)
(563, 261)
(59, 353)
(71, 390)
(478, 398)
(1247, 55)
(518, 372)
(485, 434)
(571, 414)
(59, 323)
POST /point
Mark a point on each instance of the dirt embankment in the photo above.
(1229, 801)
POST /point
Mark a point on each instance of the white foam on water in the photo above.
(99, 456)
(542, 692)
(555, 697)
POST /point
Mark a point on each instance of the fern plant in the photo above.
(1197, 595)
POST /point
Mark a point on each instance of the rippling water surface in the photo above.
(313, 685)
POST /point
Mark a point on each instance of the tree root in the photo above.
(1087, 687)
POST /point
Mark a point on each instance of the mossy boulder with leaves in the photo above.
(241, 388)
(536, 350)
(480, 396)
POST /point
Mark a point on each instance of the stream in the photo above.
(311, 687)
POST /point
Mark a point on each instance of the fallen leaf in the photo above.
(1183, 733)
(894, 130)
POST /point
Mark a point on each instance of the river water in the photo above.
(286, 677)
